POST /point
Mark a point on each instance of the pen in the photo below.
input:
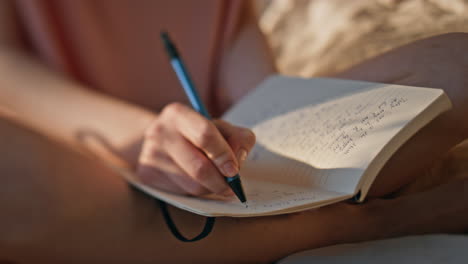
(192, 94)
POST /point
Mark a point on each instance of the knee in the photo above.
(451, 46)
(452, 36)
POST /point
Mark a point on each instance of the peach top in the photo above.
(113, 45)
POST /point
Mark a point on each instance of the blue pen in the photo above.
(192, 94)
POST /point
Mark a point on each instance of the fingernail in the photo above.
(229, 169)
(247, 132)
(242, 155)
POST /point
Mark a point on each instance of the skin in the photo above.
(74, 208)
(181, 147)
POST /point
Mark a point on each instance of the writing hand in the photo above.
(185, 153)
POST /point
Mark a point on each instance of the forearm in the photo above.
(58, 106)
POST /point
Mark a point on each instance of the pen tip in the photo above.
(236, 186)
(164, 34)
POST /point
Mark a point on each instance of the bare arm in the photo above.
(53, 103)
(68, 110)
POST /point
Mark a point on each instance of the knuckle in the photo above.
(222, 125)
(155, 130)
(206, 134)
(173, 109)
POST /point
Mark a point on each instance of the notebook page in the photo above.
(277, 200)
(440, 105)
(323, 133)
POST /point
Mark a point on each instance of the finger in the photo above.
(158, 170)
(153, 177)
(240, 139)
(204, 135)
(196, 165)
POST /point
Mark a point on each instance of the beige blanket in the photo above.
(315, 37)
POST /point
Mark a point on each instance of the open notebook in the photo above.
(319, 141)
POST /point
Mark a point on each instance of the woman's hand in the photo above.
(185, 153)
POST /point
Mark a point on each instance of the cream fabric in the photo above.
(314, 37)
(444, 249)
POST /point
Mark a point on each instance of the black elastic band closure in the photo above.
(209, 224)
(355, 199)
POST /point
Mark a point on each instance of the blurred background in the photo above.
(321, 37)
